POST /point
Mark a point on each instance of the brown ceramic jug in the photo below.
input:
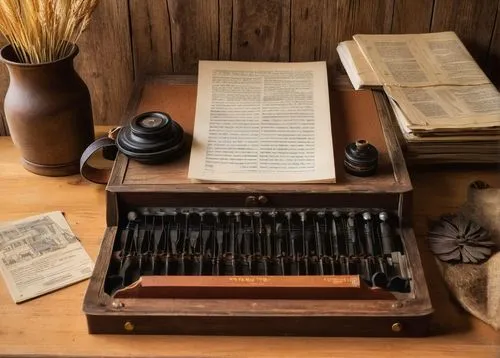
(49, 113)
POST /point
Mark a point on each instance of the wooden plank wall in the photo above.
(129, 39)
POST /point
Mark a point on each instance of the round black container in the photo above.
(151, 137)
(361, 158)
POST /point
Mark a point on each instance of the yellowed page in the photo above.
(262, 122)
(357, 67)
(447, 108)
(40, 254)
(413, 60)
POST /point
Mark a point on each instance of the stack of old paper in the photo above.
(262, 122)
(445, 107)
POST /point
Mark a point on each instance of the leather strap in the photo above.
(109, 151)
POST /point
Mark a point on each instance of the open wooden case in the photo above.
(319, 298)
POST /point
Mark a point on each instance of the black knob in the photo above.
(361, 158)
(151, 137)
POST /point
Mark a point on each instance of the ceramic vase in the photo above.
(49, 113)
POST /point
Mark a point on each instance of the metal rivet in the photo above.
(397, 305)
(251, 201)
(117, 304)
(129, 326)
(397, 327)
(263, 200)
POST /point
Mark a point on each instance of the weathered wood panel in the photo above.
(494, 53)
(472, 20)
(306, 29)
(195, 33)
(105, 60)
(261, 30)
(412, 16)
(150, 30)
(225, 28)
(345, 18)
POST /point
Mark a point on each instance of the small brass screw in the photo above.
(397, 305)
(117, 304)
(397, 327)
(129, 326)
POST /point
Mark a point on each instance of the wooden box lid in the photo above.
(355, 115)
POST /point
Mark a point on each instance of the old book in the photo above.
(358, 69)
(446, 110)
(262, 122)
(413, 60)
(445, 107)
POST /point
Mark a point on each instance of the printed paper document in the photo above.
(262, 122)
(420, 60)
(40, 254)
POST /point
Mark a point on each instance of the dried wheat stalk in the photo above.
(44, 30)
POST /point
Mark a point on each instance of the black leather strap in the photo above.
(109, 150)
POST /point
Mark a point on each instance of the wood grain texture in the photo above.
(195, 33)
(494, 53)
(261, 30)
(105, 60)
(60, 318)
(412, 16)
(150, 29)
(345, 18)
(473, 22)
(225, 29)
(306, 29)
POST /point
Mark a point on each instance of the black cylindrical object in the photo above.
(361, 158)
(151, 137)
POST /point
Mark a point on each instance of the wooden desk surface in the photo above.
(54, 325)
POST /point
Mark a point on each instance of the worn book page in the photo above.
(40, 254)
(357, 67)
(414, 60)
(262, 122)
(449, 109)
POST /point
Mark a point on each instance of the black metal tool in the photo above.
(267, 254)
(158, 232)
(247, 259)
(280, 265)
(174, 238)
(319, 250)
(229, 266)
(294, 266)
(125, 234)
(351, 236)
(239, 234)
(220, 241)
(386, 233)
(334, 234)
(368, 233)
(261, 267)
(305, 242)
(193, 241)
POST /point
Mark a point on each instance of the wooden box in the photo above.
(309, 305)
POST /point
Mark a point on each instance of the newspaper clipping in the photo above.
(39, 255)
